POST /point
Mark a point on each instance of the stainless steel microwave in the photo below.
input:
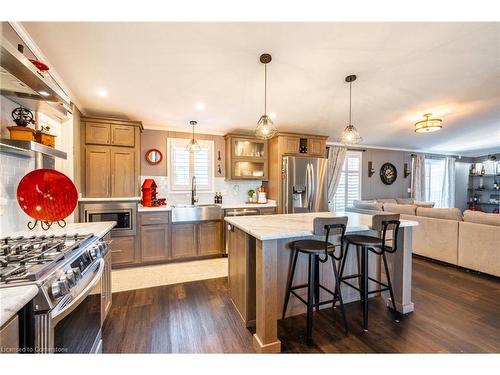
(124, 213)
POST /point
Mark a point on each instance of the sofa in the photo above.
(470, 240)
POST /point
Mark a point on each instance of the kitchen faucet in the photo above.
(194, 199)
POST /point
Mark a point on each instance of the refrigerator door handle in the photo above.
(308, 187)
(313, 187)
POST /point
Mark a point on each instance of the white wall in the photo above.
(13, 168)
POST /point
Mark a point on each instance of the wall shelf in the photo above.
(27, 148)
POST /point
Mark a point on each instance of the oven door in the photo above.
(77, 323)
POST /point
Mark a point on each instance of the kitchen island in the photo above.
(259, 255)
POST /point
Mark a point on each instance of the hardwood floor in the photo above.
(455, 311)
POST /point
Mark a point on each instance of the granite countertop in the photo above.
(114, 199)
(13, 299)
(283, 226)
(270, 204)
(99, 229)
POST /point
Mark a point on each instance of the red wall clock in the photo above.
(48, 196)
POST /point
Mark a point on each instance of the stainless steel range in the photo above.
(65, 316)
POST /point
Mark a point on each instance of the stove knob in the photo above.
(94, 253)
(77, 272)
(71, 278)
(63, 285)
(59, 288)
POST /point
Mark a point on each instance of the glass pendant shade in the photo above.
(350, 136)
(193, 146)
(265, 128)
(428, 125)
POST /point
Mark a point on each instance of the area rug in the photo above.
(167, 274)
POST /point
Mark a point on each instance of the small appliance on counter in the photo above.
(149, 198)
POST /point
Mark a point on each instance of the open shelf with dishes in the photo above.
(484, 187)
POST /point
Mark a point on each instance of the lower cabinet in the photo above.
(161, 241)
(123, 250)
(155, 243)
(210, 238)
(106, 291)
(184, 241)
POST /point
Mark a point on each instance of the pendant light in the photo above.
(193, 145)
(265, 127)
(350, 135)
(428, 125)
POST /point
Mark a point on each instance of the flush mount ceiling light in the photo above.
(428, 125)
(265, 127)
(350, 135)
(102, 93)
(193, 145)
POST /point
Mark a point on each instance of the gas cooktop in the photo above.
(27, 259)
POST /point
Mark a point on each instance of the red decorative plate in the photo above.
(40, 65)
(47, 195)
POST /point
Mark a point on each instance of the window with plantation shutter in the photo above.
(349, 188)
(183, 165)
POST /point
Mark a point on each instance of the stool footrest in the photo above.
(299, 297)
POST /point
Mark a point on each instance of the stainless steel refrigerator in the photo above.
(304, 185)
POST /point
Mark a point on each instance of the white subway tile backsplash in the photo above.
(233, 192)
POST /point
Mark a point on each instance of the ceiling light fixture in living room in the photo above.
(428, 125)
(265, 127)
(350, 135)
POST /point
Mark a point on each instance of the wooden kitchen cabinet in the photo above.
(106, 289)
(210, 238)
(316, 147)
(155, 243)
(184, 240)
(111, 166)
(97, 133)
(122, 135)
(291, 145)
(246, 157)
(97, 171)
(122, 250)
(123, 175)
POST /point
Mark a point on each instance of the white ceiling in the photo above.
(158, 72)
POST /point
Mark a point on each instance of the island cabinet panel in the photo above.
(123, 179)
(155, 243)
(122, 135)
(184, 241)
(97, 133)
(241, 273)
(97, 170)
(123, 250)
(210, 238)
(9, 336)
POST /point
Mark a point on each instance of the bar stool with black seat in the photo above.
(364, 243)
(314, 249)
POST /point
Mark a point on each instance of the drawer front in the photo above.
(123, 250)
(267, 211)
(155, 218)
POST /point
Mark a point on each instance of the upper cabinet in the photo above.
(246, 158)
(111, 157)
(102, 133)
(302, 144)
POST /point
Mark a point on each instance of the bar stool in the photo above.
(378, 246)
(314, 249)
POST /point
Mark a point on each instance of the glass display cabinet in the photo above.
(246, 158)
